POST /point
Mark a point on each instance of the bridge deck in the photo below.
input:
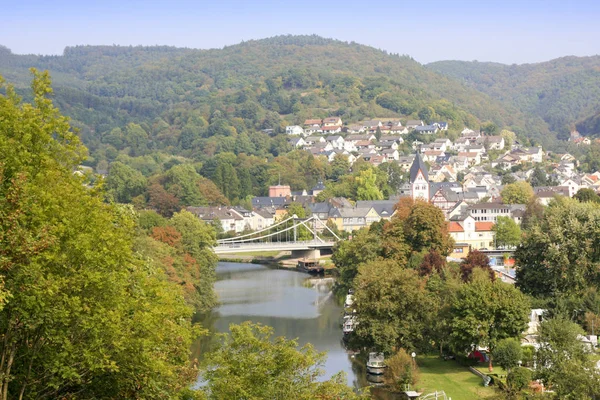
(225, 248)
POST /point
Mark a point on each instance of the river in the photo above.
(288, 301)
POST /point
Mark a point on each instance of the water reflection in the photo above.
(293, 305)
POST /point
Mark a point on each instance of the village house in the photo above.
(355, 129)
(294, 130)
(332, 121)
(471, 157)
(431, 155)
(312, 140)
(477, 235)
(312, 129)
(331, 129)
(412, 124)
(297, 142)
(441, 173)
(336, 141)
(349, 219)
(494, 142)
(390, 154)
(230, 219)
(426, 129)
(489, 212)
(545, 194)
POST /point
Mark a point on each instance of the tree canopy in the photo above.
(250, 364)
(82, 314)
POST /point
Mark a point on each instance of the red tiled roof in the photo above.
(331, 128)
(454, 226)
(483, 226)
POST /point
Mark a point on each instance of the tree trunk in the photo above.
(490, 366)
(6, 372)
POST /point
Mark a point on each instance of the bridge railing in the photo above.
(275, 244)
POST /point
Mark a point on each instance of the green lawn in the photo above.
(455, 380)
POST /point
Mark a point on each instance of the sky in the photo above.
(508, 31)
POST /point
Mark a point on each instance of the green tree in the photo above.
(485, 312)
(427, 114)
(197, 239)
(539, 177)
(182, 182)
(124, 183)
(366, 186)
(401, 370)
(227, 180)
(518, 379)
(564, 362)
(559, 254)
(250, 364)
(587, 195)
(82, 315)
(507, 232)
(519, 192)
(509, 137)
(339, 166)
(392, 306)
(489, 128)
(349, 254)
(508, 179)
(426, 228)
(136, 138)
(508, 353)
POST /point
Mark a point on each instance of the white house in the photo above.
(294, 130)
(336, 141)
(297, 142)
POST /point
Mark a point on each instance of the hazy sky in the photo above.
(504, 31)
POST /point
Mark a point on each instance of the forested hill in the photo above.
(253, 85)
(564, 92)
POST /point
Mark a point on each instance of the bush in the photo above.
(527, 355)
(401, 370)
(518, 379)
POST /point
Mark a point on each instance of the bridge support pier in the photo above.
(309, 254)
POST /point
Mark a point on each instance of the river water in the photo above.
(293, 303)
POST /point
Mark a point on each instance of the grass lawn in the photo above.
(455, 380)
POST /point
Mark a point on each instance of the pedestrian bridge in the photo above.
(282, 236)
(272, 246)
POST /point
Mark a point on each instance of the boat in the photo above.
(375, 380)
(376, 364)
(349, 325)
(310, 266)
(349, 301)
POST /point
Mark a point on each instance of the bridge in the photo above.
(300, 236)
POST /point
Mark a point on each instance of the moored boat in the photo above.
(376, 364)
(349, 325)
(310, 266)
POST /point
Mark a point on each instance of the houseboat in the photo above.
(376, 364)
(310, 266)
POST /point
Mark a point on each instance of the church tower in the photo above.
(419, 179)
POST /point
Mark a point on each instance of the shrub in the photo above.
(518, 379)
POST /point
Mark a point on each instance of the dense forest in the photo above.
(565, 92)
(262, 84)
